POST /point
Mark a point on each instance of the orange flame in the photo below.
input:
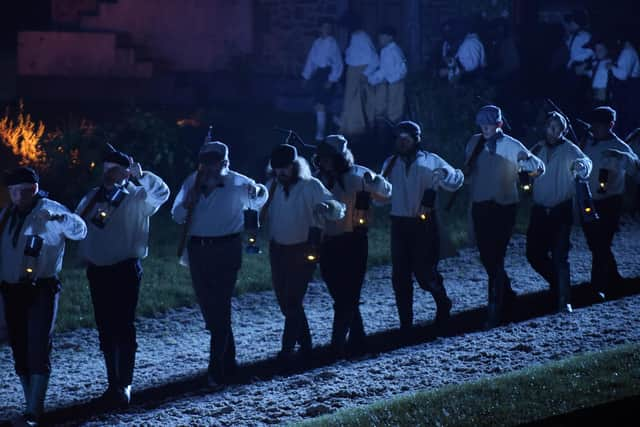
(23, 137)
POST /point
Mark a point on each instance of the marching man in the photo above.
(214, 199)
(117, 214)
(33, 230)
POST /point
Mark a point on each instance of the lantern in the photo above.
(32, 251)
(313, 245)
(603, 180)
(525, 181)
(251, 227)
(585, 201)
(361, 212)
(106, 209)
(427, 204)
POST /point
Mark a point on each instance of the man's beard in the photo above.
(284, 179)
(553, 141)
(408, 152)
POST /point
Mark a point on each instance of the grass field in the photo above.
(523, 396)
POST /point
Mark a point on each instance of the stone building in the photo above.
(171, 50)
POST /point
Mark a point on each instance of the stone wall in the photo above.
(285, 30)
(66, 12)
(76, 54)
(132, 38)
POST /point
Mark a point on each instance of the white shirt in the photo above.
(627, 66)
(471, 54)
(126, 234)
(600, 74)
(577, 51)
(617, 168)
(290, 217)
(361, 51)
(353, 183)
(557, 185)
(494, 176)
(222, 211)
(410, 181)
(53, 233)
(393, 65)
(324, 53)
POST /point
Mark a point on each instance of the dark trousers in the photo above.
(114, 293)
(30, 313)
(548, 243)
(415, 251)
(290, 275)
(599, 234)
(493, 224)
(320, 94)
(343, 263)
(214, 265)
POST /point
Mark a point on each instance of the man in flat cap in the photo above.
(612, 160)
(551, 216)
(416, 175)
(344, 251)
(297, 203)
(214, 199)
(492, 162)
(117, 215)
(33, 229)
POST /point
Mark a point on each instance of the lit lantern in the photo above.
(525, 181)
(30, 260)
(603, 180)
(361, 212)
(427, 204)
(251, 226)
(313, 245)
(106, 209)
(585, 201)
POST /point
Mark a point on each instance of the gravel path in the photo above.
(175, 345)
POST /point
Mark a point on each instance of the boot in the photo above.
(443, 303)
(356, 345)
(564, 292)
(215, 370)
(305, 337)
(24, 380)
(108, 398)
(339, 333)
(126, 359)
(35, 404)
(405, 312)
(494, 309)
(443, 311)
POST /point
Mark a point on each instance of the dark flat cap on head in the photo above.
(283, 155)
(21, 175)
(410, 127)
(554, 115)
(117, 157)
(604, 114)
(333, 144)
(213, 151)
(489, 115)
